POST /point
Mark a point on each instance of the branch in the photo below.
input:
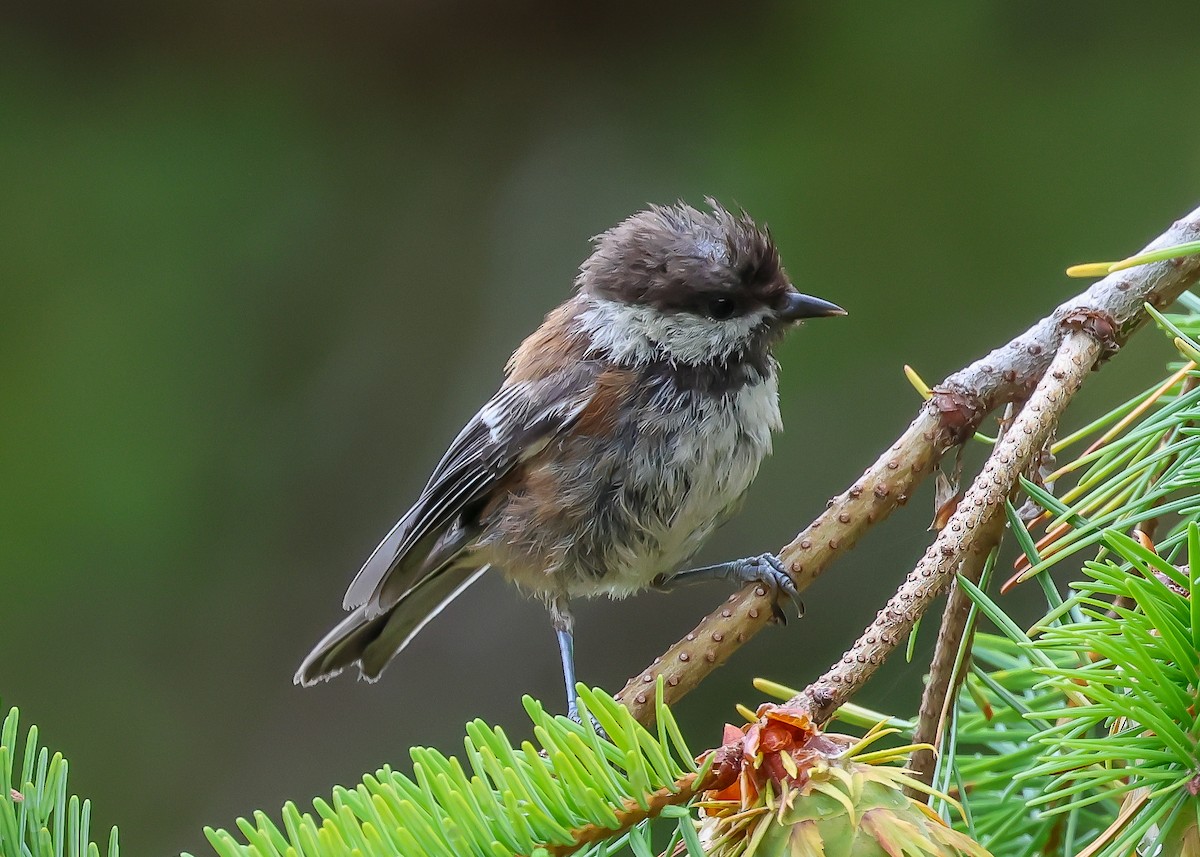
(945, 674)
(633, 812)
(983, 502)
(1112, 306)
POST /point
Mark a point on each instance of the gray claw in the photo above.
(769, 569)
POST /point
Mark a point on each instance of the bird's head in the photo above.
(689, 286)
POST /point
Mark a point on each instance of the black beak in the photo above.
(797, 306)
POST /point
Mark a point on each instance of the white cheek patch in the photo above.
(640, 334)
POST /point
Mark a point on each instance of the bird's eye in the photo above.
(720, 308)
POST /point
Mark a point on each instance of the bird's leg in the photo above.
(564, 624)
(765, 568)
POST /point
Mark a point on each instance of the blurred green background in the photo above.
(259, 261)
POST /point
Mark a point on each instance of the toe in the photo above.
(781, 581)
(776, 574)
(784, 581)
(774, 562)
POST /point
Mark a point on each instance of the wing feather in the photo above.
(517, 423)
(370, 642)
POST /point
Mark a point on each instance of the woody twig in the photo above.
(946, 674)
(972, 520)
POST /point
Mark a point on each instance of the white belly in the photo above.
(696, 463)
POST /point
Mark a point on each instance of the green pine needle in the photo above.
(497, 800)
(37, 817)
(1094, 710)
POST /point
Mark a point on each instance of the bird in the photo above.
(628, 427)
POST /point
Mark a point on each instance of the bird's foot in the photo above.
(766, 568)
(573, 714)
(769, 570)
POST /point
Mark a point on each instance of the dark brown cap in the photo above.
(678, 258)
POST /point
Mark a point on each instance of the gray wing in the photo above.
(516, 424)
(370, 642)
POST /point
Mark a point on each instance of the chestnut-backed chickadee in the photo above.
(627, 429)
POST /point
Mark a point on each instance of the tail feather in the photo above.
(370, 642)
